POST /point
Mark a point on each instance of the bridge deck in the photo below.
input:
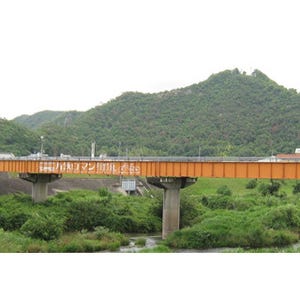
(149, 168)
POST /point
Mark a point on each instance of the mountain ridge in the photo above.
(230, 113)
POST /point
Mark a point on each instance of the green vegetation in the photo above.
(251, 184)
(16, 139)
(296, 187)
(215, 213)
(244, 218)
(41, 118)
(157, 249)
(140, 242)
(229, 114)
(75, 221)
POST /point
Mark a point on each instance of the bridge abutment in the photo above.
(171, 200)
(40, 184)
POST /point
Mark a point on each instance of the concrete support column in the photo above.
(40, 189)
(171, 210)
(171, 200)
(40, 184)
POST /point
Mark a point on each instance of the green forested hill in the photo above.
(230, 113)
(16, 139)
(41, 118)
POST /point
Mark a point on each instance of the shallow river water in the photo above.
(153, 240)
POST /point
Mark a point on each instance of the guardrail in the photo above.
(158, 159)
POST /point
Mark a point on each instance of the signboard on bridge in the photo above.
(128, 185)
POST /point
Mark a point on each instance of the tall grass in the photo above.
(214, 213)
(49, 226)
(236, 216)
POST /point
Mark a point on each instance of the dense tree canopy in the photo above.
(230, 113)
(17, 139)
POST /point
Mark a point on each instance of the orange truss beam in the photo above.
(272, 170)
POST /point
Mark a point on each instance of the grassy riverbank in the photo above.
(248, 216)
(75, 221)
(263, 217)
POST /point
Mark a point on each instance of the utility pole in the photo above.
(93, 148)
(42, 145)
(119, 150)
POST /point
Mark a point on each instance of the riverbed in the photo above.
(151, 241)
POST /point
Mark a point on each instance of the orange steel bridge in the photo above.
(155, 168)
(171, 174)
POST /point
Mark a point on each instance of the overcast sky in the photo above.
(74, 55)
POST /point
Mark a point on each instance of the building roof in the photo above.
(289, 156)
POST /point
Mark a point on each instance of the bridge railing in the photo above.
(159, 159)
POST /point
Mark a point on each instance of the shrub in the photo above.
(104, 192)
(271, 201)
(269, 189)
(296, 188)
(274, 187)
(243, 203)
(74, 246)
(2, 219)
(101, 231)
(282, 217)
(218, 202)
(87, 215)
(191, 238)
(190, 210)
(236, 229)
(12, 220)
(140, 242)
(37, 246)
(12, 242)
(283, 238)
(213, 231)
(251, 184)
(156, 207)
(257, 237)
(148, 224)
(264, 189)
(157, 249)
(77, 242)
(45, 227)
(15, 220)
(224, 190)
(104, 234)
(123, 223)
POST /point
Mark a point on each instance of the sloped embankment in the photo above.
(10, 184)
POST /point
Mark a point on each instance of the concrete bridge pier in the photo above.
(40, 184)
(171, 200)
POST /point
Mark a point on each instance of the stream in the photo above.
(153, 240)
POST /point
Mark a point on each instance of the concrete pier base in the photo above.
(40, 184)
(171, 211)
(171, 200)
